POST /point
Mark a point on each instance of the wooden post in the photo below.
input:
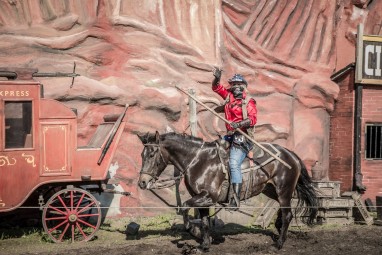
(193, 117)
(193, 125)
(194, 132)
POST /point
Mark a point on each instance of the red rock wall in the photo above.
(136, 51)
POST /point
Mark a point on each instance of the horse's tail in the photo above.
(307, 203)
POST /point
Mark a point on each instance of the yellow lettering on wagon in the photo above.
(14, 93)
(5, 161)
(29, 159)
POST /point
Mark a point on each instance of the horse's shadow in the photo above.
(219, 235)
(177, 231)
(188, 244)
(232, 229)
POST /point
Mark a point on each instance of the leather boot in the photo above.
(235, 200)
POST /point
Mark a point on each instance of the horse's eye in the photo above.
(152, 154)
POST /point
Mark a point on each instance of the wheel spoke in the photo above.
(73, 236)
(85, 208)
(63, 203)
(88, 215)
(59, 225)
(56, 218)
(80, 201)
(56, 209)
(71, 200)
(87, 224)
(63, 232)
(80, 229)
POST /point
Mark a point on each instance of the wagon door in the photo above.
(55, 142)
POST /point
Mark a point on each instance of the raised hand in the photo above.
(217, 72)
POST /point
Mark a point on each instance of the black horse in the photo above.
(204, 176)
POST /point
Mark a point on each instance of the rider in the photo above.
(242, 113)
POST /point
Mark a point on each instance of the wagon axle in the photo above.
(72, 217)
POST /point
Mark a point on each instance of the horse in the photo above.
(203, 169)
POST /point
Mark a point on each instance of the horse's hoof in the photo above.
(187, 227)
(195, 231)
(279, 245)
(203, 248)
(188, 249)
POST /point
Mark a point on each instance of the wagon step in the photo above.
(124, 193)
(104, 189)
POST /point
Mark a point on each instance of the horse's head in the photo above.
(153, 161)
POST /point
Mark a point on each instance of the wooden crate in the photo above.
(327, 188)
(342, 202)
(360, 212)
(297, 222)
(335, 213)
(266, 215)
(338, 221)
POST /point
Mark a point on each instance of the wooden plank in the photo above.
(361, 213)
(335, 213)
(193, 116)
(266, 215)
(336, 203)
(337, 221)
(327, 188)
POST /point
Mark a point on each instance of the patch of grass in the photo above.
(149, 227)
(157, 223)
(17, 232)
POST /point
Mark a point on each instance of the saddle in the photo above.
(260, 158)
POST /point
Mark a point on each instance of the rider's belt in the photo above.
(240, 141)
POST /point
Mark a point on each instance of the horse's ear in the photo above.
(144, 138)
(156, 137)
(141, 138)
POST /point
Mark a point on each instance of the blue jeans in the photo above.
(236, 157)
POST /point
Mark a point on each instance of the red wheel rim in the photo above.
(71, 215)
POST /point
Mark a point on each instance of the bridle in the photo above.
(161, 157)
(170, 181)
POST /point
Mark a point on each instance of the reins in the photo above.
(168, 182)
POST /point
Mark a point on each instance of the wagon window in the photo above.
(18, 124)
(373, 144)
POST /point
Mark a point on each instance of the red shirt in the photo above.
(233, 109)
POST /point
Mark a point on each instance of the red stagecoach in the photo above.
(39, 155)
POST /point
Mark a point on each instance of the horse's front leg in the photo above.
(202, 231)
(204, 213)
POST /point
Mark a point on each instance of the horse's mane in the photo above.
(181, 136)
(184, 137)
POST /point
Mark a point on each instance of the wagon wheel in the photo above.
(71, 214)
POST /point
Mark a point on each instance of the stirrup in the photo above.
(234, 203)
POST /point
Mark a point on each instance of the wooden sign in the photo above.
(369, 59)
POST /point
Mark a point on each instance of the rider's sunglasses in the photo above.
(237, 86)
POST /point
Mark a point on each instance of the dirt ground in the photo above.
(166, 235)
